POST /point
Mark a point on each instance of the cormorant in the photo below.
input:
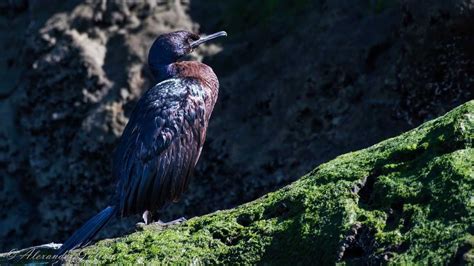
(163, 138)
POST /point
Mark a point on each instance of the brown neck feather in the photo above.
(197, 70)
(203, 73)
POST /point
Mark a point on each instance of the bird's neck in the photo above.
(186, 69)
(193, 70)
(163, 71)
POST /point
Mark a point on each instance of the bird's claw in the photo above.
(171, 223)
(139, 226)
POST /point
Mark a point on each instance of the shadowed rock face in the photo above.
(293, 94)
(384, 204)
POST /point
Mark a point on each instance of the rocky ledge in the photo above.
(407, 199)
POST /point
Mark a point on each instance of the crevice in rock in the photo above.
(395, 214)
(245, 219)
(358, 245)
(226, 237)
(279, 209)
(366, 190)
(465, 253)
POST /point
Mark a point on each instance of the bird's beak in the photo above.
(208, 38)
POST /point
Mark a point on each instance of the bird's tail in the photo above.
(84, 235)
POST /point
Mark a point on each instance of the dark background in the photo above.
(301, 82)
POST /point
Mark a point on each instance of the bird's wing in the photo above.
(160, 146)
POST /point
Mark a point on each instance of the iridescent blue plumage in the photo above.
(160, 145)
(164, 136)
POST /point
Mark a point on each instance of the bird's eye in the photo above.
(193, 37)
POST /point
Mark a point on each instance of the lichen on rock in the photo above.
(304, 81)
(407, 199)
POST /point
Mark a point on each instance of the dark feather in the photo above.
(160, 145)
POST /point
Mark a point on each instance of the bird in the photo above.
(163, 139)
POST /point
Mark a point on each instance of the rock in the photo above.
(415, 205)
(80, 71)
(300, 84)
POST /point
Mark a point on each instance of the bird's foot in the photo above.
(140, 226)
(171, 223)
(147, 218)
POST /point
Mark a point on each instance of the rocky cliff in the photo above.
(409, 199)
(301, 82)
(406, 200)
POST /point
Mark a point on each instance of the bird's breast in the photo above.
(203, 74)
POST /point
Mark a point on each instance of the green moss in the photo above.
(407, 199)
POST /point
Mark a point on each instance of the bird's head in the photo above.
(169, 47)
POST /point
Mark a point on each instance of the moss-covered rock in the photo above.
(406, 199)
